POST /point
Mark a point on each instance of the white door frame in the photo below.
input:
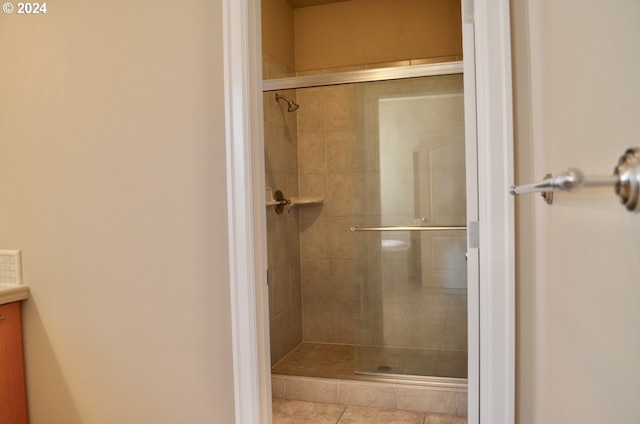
(487, 28)
(490, 24)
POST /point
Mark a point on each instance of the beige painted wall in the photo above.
(112, 172)
(576, 84)
(360, 32)
(277, 31)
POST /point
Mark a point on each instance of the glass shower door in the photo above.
(409, 239)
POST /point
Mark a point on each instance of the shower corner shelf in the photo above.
(278, 201)
(307, 200)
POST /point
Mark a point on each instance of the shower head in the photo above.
(292, 106)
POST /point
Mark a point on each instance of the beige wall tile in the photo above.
(454, 279)
(316, 322)
(314, 239)
(277, 387)
(422, 361)
(338, 107)
(311, 113)
(339, 195)
(275, 339)
(312, 185)
(281, 289)
(340, 237)
(339, 151)
(316, 280)
(342, 284)
(275, 149)
(313, 390)
(294, 336)
(426, 399)
(462, 402)
(295, 282)
(452, 363)
(343, 320)
(293, 239)
(312, 153)
(362, 394)
(279, 242)
(454, 338)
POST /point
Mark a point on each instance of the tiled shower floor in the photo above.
(338, 361)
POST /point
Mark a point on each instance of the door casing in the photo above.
(486, 40)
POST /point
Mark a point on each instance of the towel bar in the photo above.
(625, 180)
(454, 227)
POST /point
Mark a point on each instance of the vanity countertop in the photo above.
(13, 293)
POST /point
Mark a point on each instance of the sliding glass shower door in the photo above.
(409, 234)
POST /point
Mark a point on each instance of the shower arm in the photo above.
(292, 106)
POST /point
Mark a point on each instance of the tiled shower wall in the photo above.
(326, 138)
(283, 232)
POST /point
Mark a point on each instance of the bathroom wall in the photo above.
(361, 32)
(112, 173)
(278, 34)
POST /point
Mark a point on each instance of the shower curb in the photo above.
(403, 397)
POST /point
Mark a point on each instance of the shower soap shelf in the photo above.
(306, 200)
(278, 201)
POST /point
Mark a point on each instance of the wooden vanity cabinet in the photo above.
(13, 399)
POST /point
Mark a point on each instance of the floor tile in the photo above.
(362, 415)
(444, 419)
(300, 412)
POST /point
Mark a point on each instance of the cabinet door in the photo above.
(13, 405)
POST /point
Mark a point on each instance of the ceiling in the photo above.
(306, 3)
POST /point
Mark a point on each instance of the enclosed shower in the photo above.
(367, 273)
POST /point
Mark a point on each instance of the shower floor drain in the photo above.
(384, 368)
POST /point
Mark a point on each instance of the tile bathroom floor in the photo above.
(300, 412)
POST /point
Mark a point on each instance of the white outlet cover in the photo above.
(10, 267)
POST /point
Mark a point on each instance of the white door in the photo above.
(577, 69)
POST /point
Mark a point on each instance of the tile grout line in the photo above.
(342, 414)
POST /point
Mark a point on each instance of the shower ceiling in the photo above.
(306, 3)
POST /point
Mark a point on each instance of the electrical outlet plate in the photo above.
(10, 267)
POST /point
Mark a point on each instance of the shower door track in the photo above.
(367, 75)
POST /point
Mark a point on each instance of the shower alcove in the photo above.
(367, 284)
